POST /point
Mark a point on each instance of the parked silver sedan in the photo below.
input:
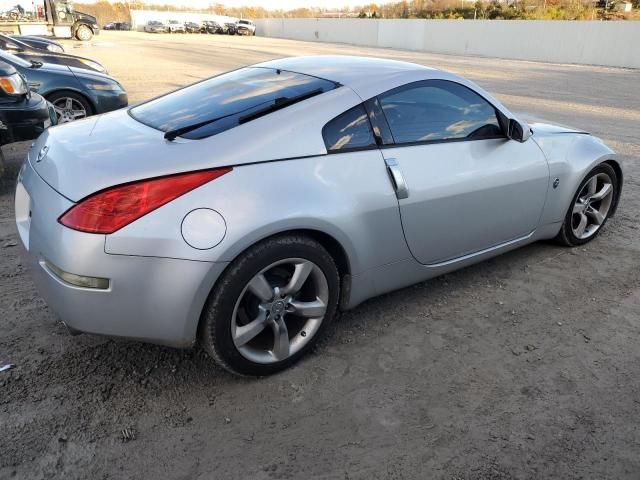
(243, 211)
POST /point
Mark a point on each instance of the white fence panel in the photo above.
(613, 44)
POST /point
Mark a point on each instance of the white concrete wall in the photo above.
(615, 44)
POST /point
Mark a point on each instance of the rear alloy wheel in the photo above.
(70, 106)
(271, 306)
(84, 33)
(591, 206)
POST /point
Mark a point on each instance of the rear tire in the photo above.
(270, 306)
(590, 207)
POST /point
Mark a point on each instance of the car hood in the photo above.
(551, 129)
(90, 74)
(86, 17)
(80, 73)
(43, 55)
(54, 68)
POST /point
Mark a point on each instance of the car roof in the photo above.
(370, 76)
(365, 75)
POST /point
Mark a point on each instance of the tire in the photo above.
(232, 305)
(84, 33)
(569, 234)
(59, 98)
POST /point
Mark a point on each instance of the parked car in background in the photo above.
(155, 26)
(24, 115)
(175, 26)
(211, 26)
(75, 93)
(246, 27)
(40, 43)
(26, 52)
(192, 27)
(231, 28)
(117, 26)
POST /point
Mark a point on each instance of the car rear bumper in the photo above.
(146, 298)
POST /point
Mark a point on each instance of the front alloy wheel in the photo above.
(592, 205)
(271, 305)
(69, 109)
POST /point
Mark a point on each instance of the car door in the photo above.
(463, 187)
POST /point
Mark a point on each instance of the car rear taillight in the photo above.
(111, 209)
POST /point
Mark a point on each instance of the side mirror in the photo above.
(518, 131)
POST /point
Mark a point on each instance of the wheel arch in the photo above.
(570, 159)
(614, 162)
(80, 23)
(617, 167)
(335, 248)
(93, 104)
(329, 242)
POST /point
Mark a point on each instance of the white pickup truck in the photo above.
(245, 27)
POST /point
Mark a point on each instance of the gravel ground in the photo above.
(524, 366)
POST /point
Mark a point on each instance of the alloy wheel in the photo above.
(280, 310)
(592, 206)
(69, 109)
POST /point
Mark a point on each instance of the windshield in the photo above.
(231, 97)
(13, 60)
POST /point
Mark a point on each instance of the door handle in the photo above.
(402, 191)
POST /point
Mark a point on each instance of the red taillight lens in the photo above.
(115, 207)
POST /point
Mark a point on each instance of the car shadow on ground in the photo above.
(97, 365)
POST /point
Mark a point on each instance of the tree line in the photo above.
(106, 11)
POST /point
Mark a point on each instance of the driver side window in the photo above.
(438, 110)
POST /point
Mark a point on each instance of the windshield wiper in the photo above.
(277, 104)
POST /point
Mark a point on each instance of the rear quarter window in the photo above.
(348, 131)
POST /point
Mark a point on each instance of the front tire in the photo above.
(84, 33)
(590, 207)
(70, 106)
(271, 306)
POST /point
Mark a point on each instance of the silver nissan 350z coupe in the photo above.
(243, 211)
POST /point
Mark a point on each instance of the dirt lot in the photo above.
(525, 366)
